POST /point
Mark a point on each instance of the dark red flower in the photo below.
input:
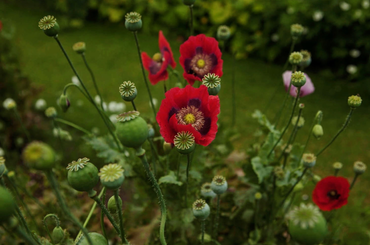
(331, 193)
(157, 66)
(1, 25)
(200, 55)
(189, 109)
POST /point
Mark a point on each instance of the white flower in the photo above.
(9, 104)
(351, 69)
(40, 104)
(97, 99)
(75, 80)
(120, 106)
(290, 10)
(113, 118)
(366, 4)
(112, 106)
(354, 53)
(317, 15)
(275, 37)
(1, 152)
(155, 102)
(344, 6)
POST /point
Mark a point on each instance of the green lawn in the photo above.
(112, 55)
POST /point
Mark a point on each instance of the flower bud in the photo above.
(318, 117)
(359, 167)
(201, 209)
(39, 156)
(128, 91)
(2, 166)
(151, 132)
(219, 184)
(307, 225)
(258, 196)
(337, 165)
(133, 21)
(306, 59)
(223, 33)
(112, 206)
(64, 102)
(98, 239)
(184, 142)
(301, 106)
(279, 172)
(295, 58)
(49, 25)
(296, 30)
(51, 112)
(79, 47)
(57, 235)
(131, 129)
(213, 83)
(111, 176)
(298, 79)
(300, 123)
(354, 101)
(188, 2)
(167, 147)
(308, 160)
(7, 205)
(206, 191)
(9, 104)
(317, 131)
(82, 175)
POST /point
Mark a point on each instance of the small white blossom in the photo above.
(354, 53)
(113, 118)
(317, 15)
(9, 104)
(75, 80)
(97, 99)
(344, 6)
(155, 102)
(120, 106)
(112, 106)
(351, 69)
(366, 4)
(40, 104)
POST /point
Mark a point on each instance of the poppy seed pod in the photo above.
(128, 91)
(133, 21)
(295, 58)
(298, 79)
(7, 205)
(359, 167)
(39, 156)
(223, 33)
(51, 112)
(79, 47)
(213, 83)
(82, 175)
(219, 184)
(308, 160)
(206, 191)
(57, 235)
(201, 209)
(306, 59)
(98, 239)
(49, 25)
(354, 101)
(184, 142)
(111, 176)
(296, 30)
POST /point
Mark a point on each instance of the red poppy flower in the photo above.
(189, 109)
(157, 66)
(331, 193)
(200, 55)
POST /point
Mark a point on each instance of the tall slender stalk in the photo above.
(203, 228)
(233, 92)
(191, 20)
(187, 177)
(217, 217)
(133, 105)
(22, 125)
(143, 71)
(73, 125)
(119, 207)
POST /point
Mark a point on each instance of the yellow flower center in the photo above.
(189, 118)
(201, 63)
(157, 57)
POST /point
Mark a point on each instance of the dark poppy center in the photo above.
(333, 194)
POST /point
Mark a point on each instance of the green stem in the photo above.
(203, 228)
(233, 92)
(354, 181)
(191, 20)
(141, 153)
(290, 119)
(291, 51)
(175, 73)
(68, 85)
(187, 177)
(278, 115)
(72, 125)
(338, 133)
(336, 171)
(143, 71)
(22, 125)
(118, 204)
(28, 239)
(94, 81)
(102, 226)
(57, 224)
(133, 105)
(217, 216)
(155, 156)
(308, 139)
(164, 86)
(54, 185)
(89, 96)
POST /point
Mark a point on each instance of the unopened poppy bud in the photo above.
(298, 79)
(79, 47)
(57, 235)
(308, 160)
(184, 142)
(354, 101)
(279, 172)
(9, 104)
(2, 166)
(49, 25)
(188, 2)
(39, 156)
(151, 132)
(213, 83)
(296, 30)
(306, 59)
(128, 91)
(219, 184)
(133, 21)
(51, 112)
(112, 206)
(295, 58)
(223, 33)
(111, 176)
(201, 209)
(337, 165)
(359, 167)
(300, 123)
(167, 147)
(258, 195)
(318, 117)
(7, 205)
(317, 131)
(206, 191)
(82, 175)
(64, 102)
(98, 239)
(301, 106)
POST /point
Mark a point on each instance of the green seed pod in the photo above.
(49, 25)
(307, 225)
(223, 33)
(57, 235)
(51, 112)
(219, 184)
(131, 129)
(317, 131)
(207, 192)
(112, 207)
(82, 175)
(79, 47)
(97, 239)
(359, 167)
(64, 102)
(128, 91)
(300, 123)
(7, 205)
(354, 101)
(308, 160)
(295, 58)
(213, 83)
(133, 21)
(184, 142)
(296, 30)
(201, 209)
(306, 60)
(2, 166)
(188, 2)
(298, 79)
(39, 156)
(111, 176)
(298, 187)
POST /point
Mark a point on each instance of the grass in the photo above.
(111, 53)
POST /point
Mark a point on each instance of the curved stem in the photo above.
(217, 216)
(348, 118)
(141, 153)
(94, 81)
(119, 207)
(155, 156)
(191, 20)
(22, 125)
(57, 224)
(72, 125)
(290, 119)
(68, 85)
(63, 205)
(142, 69)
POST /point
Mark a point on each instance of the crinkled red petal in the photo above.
(165, 46)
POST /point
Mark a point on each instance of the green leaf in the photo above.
(271, 138)
(171, 178)
(261, 169)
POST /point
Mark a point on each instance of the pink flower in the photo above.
(306, 89)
